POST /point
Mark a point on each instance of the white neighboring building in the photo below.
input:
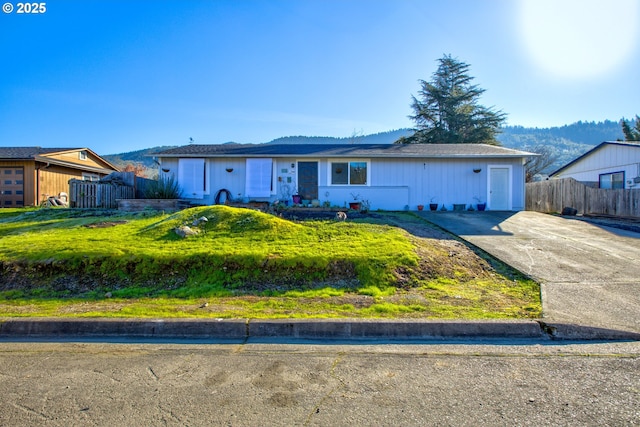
(613, 164)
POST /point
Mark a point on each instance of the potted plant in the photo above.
(420, 207)
(297, 199)
(481, 206)
(433, 205)
(355, 205)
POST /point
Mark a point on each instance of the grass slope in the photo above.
(243, 263)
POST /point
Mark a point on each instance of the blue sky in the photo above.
(123, 75)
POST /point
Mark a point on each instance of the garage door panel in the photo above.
(11, 187)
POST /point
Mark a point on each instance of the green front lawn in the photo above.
(242, 263)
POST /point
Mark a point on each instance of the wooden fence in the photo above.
(556, 194)
(91, 194)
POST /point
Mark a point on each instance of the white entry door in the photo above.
(500, 188)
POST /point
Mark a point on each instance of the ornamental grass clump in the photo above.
(165, 187)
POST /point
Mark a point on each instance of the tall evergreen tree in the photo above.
(447, 111)
(631, 133)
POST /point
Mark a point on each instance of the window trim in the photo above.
(611, 174)
(188, 169)
(256, 179)
(348, 162)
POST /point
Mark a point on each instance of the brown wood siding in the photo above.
(29, 179)
(74, 157)
(55, 179)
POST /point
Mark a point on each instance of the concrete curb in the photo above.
(567, 331)
(340, 329)
(384, 329)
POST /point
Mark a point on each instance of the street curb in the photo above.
(567, 331)
(346, 329)
(173, 328)
(398, 330)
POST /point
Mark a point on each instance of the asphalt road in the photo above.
(590, 274)
(315, 384)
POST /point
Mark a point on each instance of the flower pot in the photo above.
(354, 205)
(482, 206)
(297, 199)
(459, 207)
(420, 207)
(433, 206)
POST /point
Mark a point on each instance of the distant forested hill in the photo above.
(567, 142)
(140, 157)
(388, 137)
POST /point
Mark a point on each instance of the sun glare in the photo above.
(579, 38)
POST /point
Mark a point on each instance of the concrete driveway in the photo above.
(590, 274)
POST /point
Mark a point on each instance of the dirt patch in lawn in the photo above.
(105, 224)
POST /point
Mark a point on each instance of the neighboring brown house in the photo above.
(29, 175)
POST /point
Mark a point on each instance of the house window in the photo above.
(349, 173)
(82, 155)
(191, 177)
(613, 180)
(259, 177)
(90, 177)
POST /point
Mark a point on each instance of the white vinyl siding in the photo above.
(608, 159)
(259, 177)
(191, 178)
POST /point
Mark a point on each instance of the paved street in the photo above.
(589, 277)
(590, 274)
(254, 384)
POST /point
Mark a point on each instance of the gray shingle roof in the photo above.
(22, 153)
(343, 150)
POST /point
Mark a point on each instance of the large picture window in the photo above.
(259, 177)
(349, 172)
(612, 180)
(191, 176)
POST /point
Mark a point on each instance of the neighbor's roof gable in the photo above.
(43, 155)
(635, 144)
(344, 150)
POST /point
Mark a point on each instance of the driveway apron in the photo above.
(589, 274)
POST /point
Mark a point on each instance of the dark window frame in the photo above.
(611, 183)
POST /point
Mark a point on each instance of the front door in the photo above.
(308, 180)
(499, 188)
(11, 187)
